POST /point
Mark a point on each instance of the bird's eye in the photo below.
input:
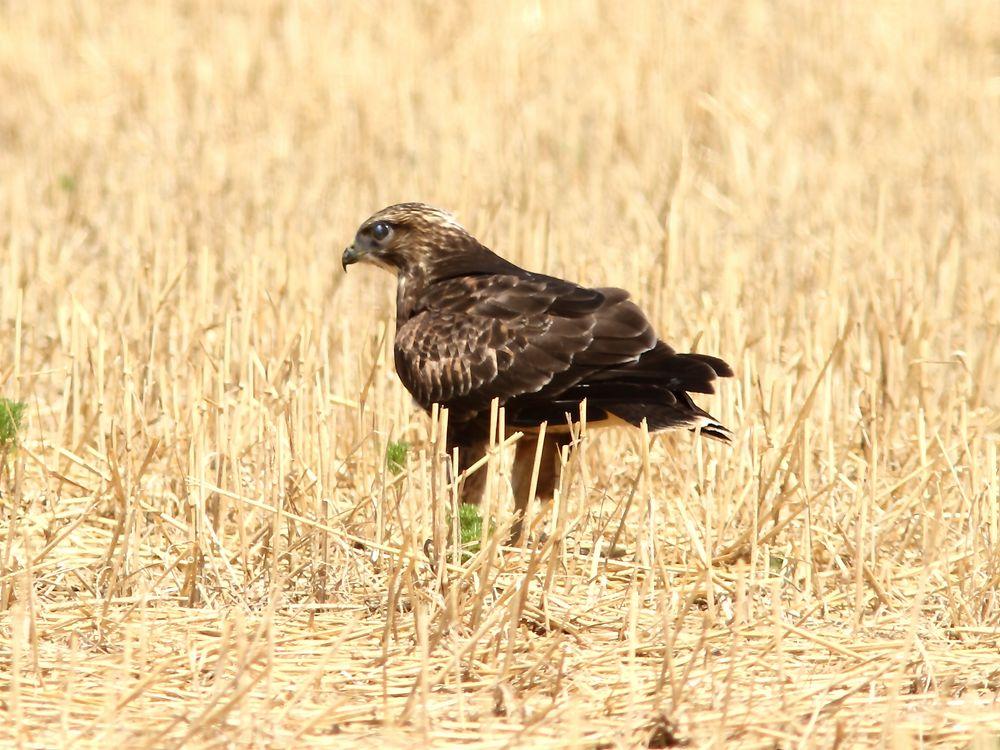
(380, 231)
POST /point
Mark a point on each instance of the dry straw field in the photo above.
(202, 543)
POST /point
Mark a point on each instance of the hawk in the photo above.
(472, 327)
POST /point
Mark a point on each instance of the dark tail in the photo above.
(662, 410)
(654, 388)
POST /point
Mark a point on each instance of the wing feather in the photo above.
(498, 336)
(541, 345)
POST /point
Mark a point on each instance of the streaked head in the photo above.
(404, 235)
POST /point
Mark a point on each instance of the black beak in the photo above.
(350, 256)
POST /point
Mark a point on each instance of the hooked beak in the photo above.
(351, 255)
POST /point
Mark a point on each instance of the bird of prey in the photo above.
(472, 327)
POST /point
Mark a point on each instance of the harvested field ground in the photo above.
(201, 542)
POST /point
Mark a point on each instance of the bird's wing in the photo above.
(476, 338)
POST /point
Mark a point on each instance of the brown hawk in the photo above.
(471, 327)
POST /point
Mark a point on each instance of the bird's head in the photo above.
(407, 236)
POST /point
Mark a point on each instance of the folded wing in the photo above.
(541, 345)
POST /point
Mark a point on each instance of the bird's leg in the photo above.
(548, 476)
(474, 486)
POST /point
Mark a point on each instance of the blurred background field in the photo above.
(202, 543)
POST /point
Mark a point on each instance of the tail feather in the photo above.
(660, 416)
(626, 401)
(717, 432)
(667, 369)
(654, 388)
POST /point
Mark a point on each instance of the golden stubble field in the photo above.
(201, 544)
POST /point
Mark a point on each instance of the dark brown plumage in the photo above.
(471, 327)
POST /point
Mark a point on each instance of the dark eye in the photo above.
(380, 231)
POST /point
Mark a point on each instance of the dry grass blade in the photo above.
(224, 523)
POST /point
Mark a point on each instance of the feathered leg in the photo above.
(548, 476)
(474, 486)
